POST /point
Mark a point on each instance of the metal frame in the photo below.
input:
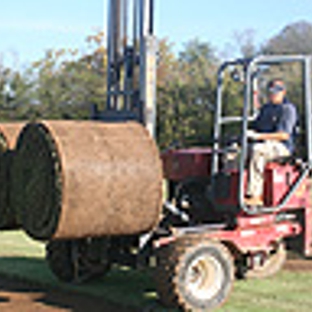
(131, 63)
(250, 65)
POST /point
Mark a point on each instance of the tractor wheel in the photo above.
(272, 265)
(194, 274)
(76, 261)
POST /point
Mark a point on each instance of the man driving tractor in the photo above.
(273, 134)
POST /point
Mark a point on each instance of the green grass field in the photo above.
(286, 292)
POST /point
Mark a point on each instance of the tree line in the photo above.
(64, 84)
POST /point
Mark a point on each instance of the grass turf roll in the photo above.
(11, 132)
(75, 179)
(8, 136)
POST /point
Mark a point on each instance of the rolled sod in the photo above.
(75, 179)
(8, 136)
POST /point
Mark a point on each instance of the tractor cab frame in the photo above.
(250, 70)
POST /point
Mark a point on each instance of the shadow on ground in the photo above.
(26, 284)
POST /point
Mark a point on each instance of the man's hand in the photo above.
(277, 136)
(251, 134)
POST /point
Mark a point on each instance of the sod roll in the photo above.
(11, 132)
(8, 136)
(75, 179)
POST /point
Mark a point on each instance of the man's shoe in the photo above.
(254, 201)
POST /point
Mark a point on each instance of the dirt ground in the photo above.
(21, 296)
(298, 265)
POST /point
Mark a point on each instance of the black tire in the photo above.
(272, 265)
(77, 261)
(59, 258)
(194, 274)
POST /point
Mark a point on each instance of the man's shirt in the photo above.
(278, 118)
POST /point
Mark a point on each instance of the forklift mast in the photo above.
(131, 63)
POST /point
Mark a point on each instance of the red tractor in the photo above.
(206, 235)
(218, 236)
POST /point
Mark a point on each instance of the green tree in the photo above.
(245, 42)
(295, 38)
(185, 101)
(15, 93)
(64, 85)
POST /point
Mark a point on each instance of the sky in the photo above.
(30, 27)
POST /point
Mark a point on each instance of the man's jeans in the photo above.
(260, 154)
